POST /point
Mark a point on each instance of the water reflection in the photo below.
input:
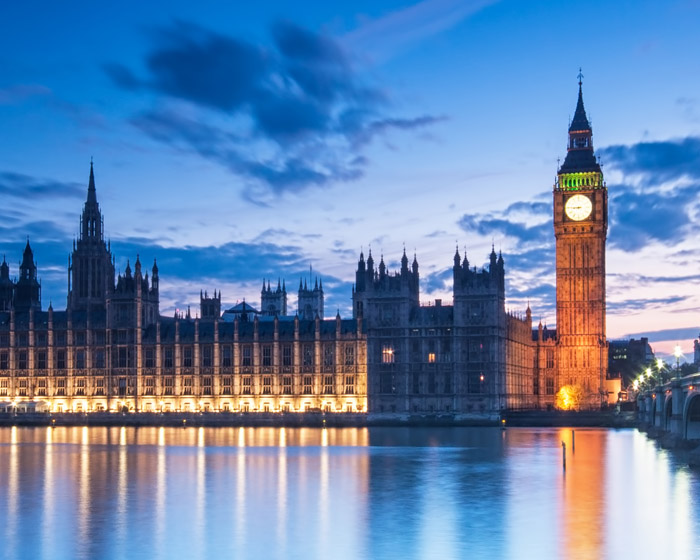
(342, 493)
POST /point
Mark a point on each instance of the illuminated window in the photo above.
(150, 357)
(168, 385)
(226, 382)
(22, 362)
(431, 357)
(308, 355)
(207, 385)
(267, 355)
(246, 353)
(287, 355)
(349, 355)
(60, 359)
(168, 357)
(308, 380)
(206, 360)
(247, 384)
(328, 355)
(267, 385)
(327, 384)
(387, 354)
(549, 385)
(80, 359)
(188, 385)
(550, 360)
(187, 356)
(150, 386)
(287, 384)
(226, 355)
(349, 384)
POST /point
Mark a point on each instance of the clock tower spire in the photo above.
(580, 228)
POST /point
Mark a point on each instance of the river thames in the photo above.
(347, 493)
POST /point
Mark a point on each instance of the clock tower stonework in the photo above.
(580, 229)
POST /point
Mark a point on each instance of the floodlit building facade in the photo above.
(111, 349)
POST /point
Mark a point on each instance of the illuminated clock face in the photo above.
(578, 207)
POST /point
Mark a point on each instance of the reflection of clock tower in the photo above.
(580, 228)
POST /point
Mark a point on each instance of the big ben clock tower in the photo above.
(580, 228)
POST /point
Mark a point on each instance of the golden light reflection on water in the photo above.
(325, 547)
(84, 481)
(121, 510)
(581, 495)
(200, 493)
(48, 496)
(161, 492)
(277, 493)
(240, 509)
(282, 473)
(10, 542)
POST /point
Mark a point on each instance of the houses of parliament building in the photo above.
(110, 349)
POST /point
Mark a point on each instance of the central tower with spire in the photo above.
(91, 268)
(580, 229)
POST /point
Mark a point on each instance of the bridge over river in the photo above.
(672, 408)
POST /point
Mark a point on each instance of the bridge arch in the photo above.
(668, 412)
(691, 416)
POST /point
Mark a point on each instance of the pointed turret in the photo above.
(6, 286)
(91, 272)
(91, 220)
(457, 258)
(27, 293)
(580, 120)
(27, 269)
(579, 156)
(404, 262)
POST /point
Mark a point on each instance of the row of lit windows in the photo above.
(125, 357)
(187, 386)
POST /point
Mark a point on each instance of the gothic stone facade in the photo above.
(469, 357)
(111, 349)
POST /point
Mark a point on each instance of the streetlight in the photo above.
(678, 353)
(659, 366)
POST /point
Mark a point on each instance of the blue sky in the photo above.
(240, 141)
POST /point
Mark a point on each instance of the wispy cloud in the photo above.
(283, 118)
(381, 38)
(23, 186)
(655, 163)
(686, 333)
